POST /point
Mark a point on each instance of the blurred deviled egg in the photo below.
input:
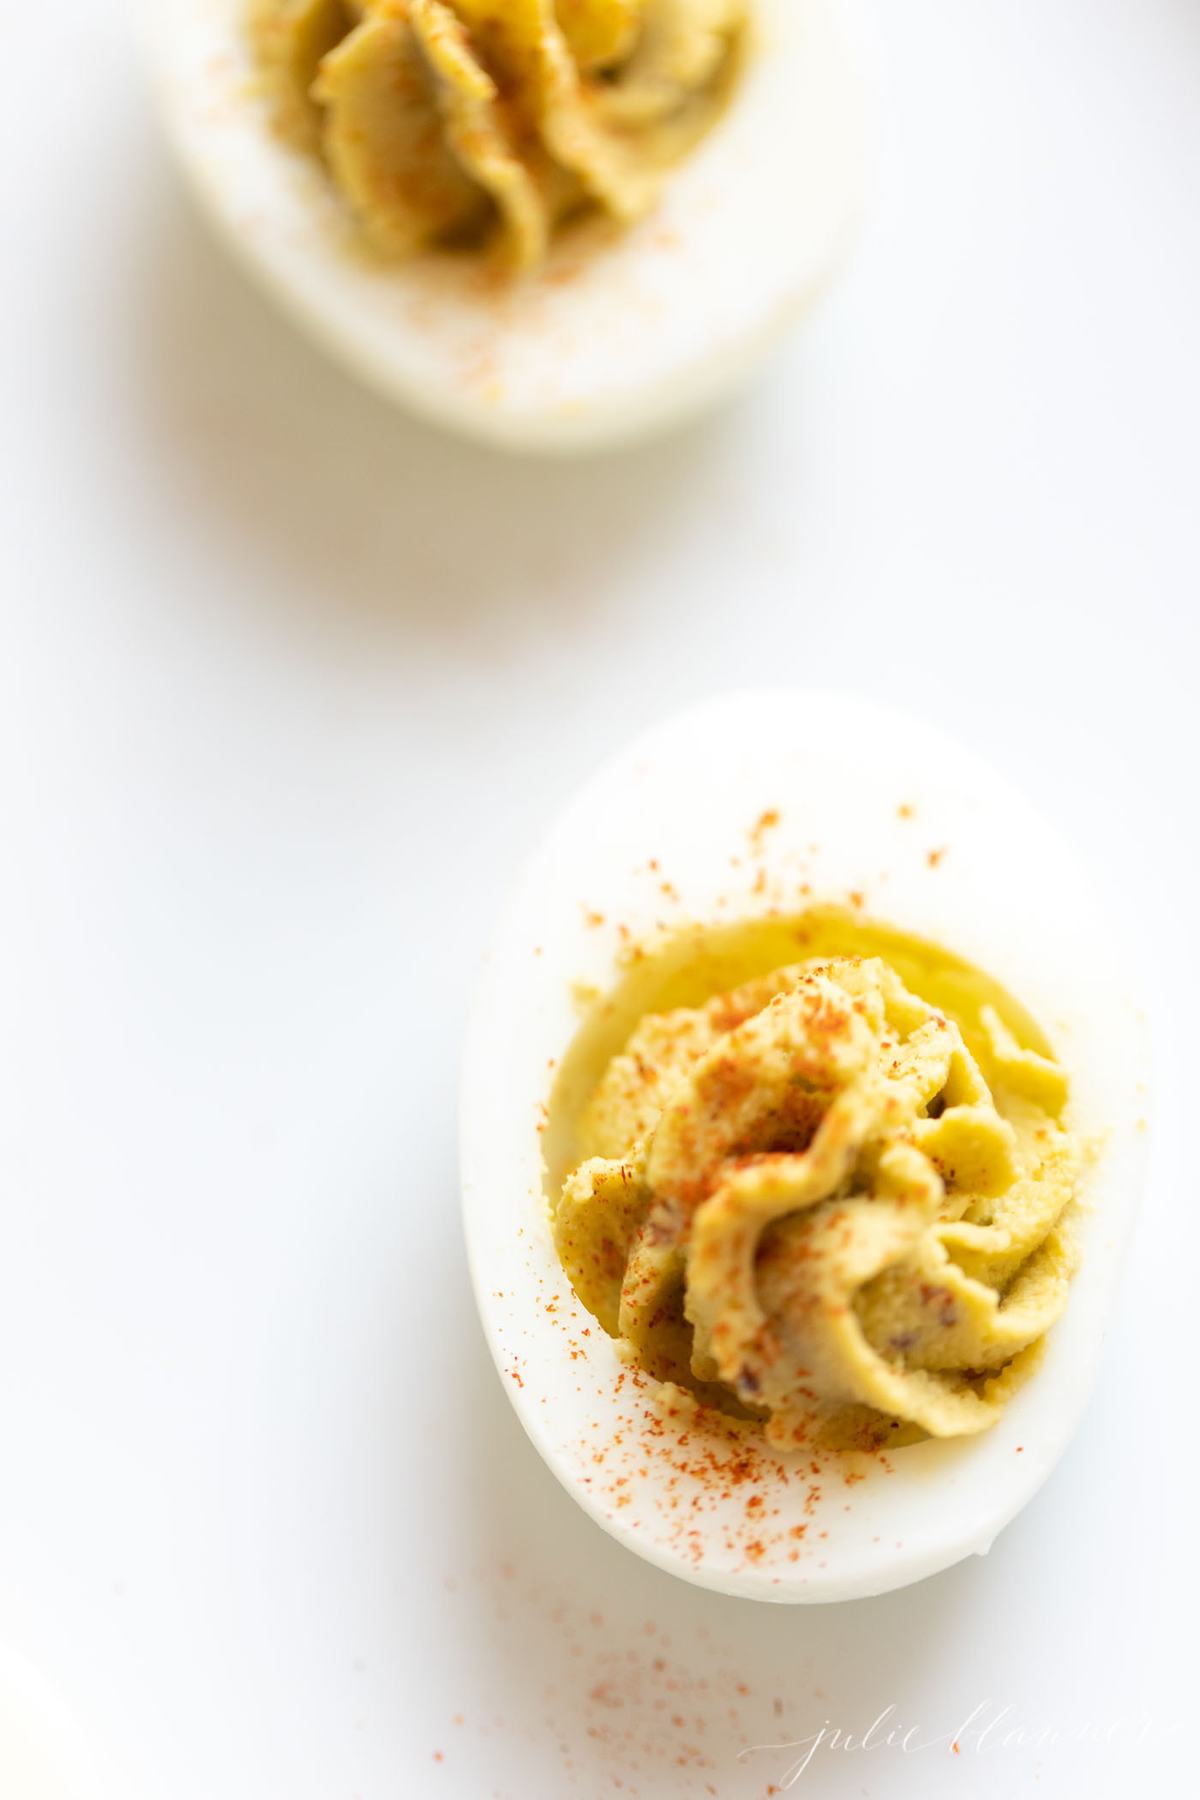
(551, 224)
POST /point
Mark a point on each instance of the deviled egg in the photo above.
(549, 223)
(803, 1124)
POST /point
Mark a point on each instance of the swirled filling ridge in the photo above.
(809, 1200)
(489, 122)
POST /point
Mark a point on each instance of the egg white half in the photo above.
(42, 1755)
(1002, 890)
(622, 332)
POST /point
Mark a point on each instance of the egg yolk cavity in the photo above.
(820, 1173)
(485, 124)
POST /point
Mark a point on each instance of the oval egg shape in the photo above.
(622, 332)
(753, 807)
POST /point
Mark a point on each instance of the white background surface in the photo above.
(287, 688)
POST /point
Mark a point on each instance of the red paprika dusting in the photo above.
(766, 821)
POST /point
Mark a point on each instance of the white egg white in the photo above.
(622, 332)
(661, 836)
(42, 1753)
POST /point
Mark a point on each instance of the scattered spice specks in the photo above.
(615, 1708)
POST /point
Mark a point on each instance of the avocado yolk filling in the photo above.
(810, 1201)
(489, 122)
